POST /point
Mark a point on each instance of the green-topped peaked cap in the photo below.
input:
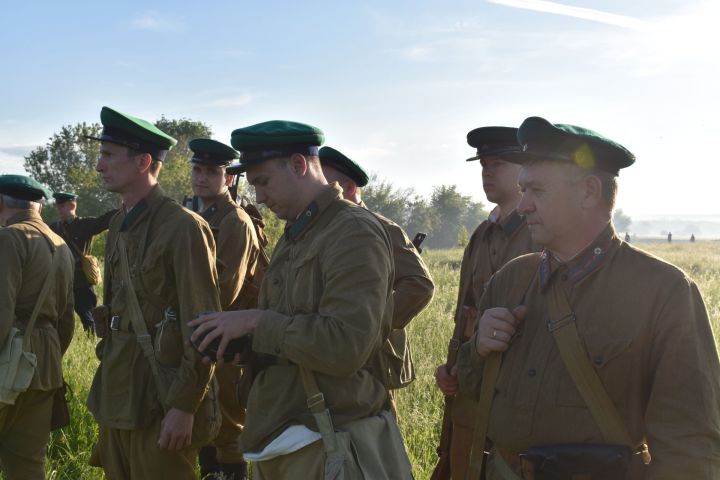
(235, 169)
(275, 139)
(541, 140)
(493, 141)
(211, 152)
(343, 164)
(135, 133)
(23, 188)
(62, 197)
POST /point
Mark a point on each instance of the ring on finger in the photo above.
(494, 334)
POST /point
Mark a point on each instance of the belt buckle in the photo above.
(115, 323)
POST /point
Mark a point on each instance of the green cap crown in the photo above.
(274, 139)
(135, 133)
(62, 197)
(343, 164)
(541, 140)
(23, 188)
(211, 152)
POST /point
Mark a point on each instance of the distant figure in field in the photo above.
(627, 237)
(692, 238)
(669, 237)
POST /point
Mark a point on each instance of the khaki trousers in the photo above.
(24, 434)
(233, 415)
(135, 454)
(308, 463)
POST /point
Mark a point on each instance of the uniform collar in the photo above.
(509, 225)
(24, 215)
(584, 263)
(152, 198)
(329, 195)
(217, 205)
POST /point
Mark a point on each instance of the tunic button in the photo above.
(532, 372)
(598, 360)
(275, 281)
(493, 252)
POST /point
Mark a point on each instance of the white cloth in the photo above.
(291, 440)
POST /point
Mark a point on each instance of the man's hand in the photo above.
(496, 328)
(446, 380)
(175, 430)
(227, 325)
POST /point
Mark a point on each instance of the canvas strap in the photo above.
(138, 323)
(43, 291)
(334, 457)
(491, 372)
(574, 356)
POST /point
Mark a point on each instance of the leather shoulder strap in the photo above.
(136, 317)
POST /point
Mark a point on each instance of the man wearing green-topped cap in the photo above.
(412, 285)
(318, 405)
(497, 240)
(78, 233)
(606, 350)
(31, 255)
(237, 257)
(152, 395)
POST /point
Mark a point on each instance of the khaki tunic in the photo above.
(172, 261)
(412, 291)
(327, 301)
(80, 232)
(491, 246)
(647, 333)
(237, 247)
(25, 260)
(237, 255)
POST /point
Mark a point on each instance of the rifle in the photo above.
(442, 469)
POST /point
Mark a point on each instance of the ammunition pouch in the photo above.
(576, 462)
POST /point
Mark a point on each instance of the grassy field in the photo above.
(419, 406)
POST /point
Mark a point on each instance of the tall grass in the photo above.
(420, 405)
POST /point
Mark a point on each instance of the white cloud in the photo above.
(576, 12)
(156, 22)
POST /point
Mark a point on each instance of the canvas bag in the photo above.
(17, 364)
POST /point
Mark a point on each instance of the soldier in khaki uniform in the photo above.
(152, 420)
(237, 256)
(78, 233)
(497, 240)
(641, 324)
(325, 310)
(412, 286)
(27, 250)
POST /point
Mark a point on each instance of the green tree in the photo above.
(175, 174)
(383, 197)
(67, 163)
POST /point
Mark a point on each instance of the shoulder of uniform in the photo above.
(523, 263)
(351, 213)
(653, 268)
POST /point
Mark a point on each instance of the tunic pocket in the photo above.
(609, 358)
(305, 284)
(169, 340)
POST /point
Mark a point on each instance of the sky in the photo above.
(394, 85)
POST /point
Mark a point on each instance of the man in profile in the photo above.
(497, 240)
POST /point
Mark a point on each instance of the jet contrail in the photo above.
(577, 12)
